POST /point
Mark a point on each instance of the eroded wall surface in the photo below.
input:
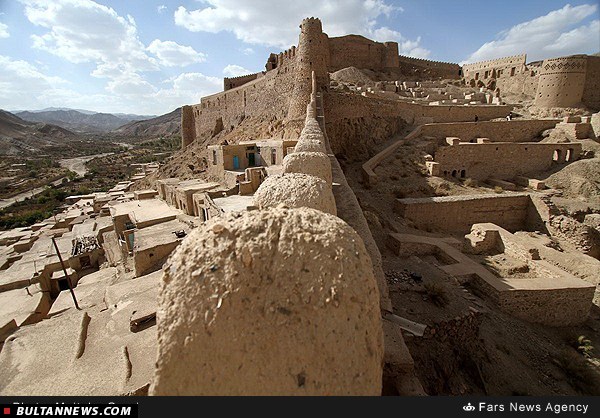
(458, 213)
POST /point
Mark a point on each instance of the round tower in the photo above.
(561, 82)
(312, 54)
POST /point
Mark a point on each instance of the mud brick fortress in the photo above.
(348, 221)
(555, 82)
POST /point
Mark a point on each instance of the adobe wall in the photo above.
(477, 70)
(266, 97)
(510, 73)
(233, 82)
(502, 160)
(355, 123)
(496, 131)
(188, 131)
(360, 52)
(562, 81)
(521, 83)
(453, 113)
(591, 89)
(428, 68)
(456, 214)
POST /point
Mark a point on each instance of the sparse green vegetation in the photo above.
(584, 346)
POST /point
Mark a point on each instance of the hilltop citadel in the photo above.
(348, 221)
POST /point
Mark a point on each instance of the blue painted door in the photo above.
(236, 162)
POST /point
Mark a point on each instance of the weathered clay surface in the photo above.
(314, 163)
(295, 190)
(310, 145)
(277, 302)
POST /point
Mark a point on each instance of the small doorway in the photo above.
(251, 162)
(236, 162)
(273, 157)
(63, 284)
(85, 262)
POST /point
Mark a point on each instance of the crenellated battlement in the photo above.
(497, 61)
(239, 77)
(424, 60)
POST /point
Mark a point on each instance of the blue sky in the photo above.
(151, 56)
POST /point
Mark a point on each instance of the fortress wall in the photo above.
(360, 52)
(506, 64)
(433, 69)
(355, 123)
(502, 160)
(456, 214)
(562, 81)
(591, 89)
(233, 82)
(269, 95)
(496, 131)
(524, 83)
(453, 113)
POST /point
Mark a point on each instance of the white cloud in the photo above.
(577, 40)
(233, 70)
(84, 31)
(171, 54)
(259, 22)
(546, 36)
(247, 51)
(4, 31)
(21, 82)
(161, 8)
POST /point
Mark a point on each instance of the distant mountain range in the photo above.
(80, 120)
(167, 124)
(18, 136)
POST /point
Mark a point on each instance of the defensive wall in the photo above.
(496, 68)
(233, 82)
(568, 81)
(456, 214)
(555, 82)
(354, 122)
(360, 52)
(496, 131)
(501, 160)
(279, 95)
(311, 162)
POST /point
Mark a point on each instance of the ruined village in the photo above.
(347, 221)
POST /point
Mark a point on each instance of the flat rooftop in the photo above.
(196, 186)
(144, 210)
(234, 203)
(160, 234)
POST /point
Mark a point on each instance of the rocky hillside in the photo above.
(22, 138)
(168, 124)
(79, 122)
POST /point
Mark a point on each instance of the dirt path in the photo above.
(20, 197)
(77, 165)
